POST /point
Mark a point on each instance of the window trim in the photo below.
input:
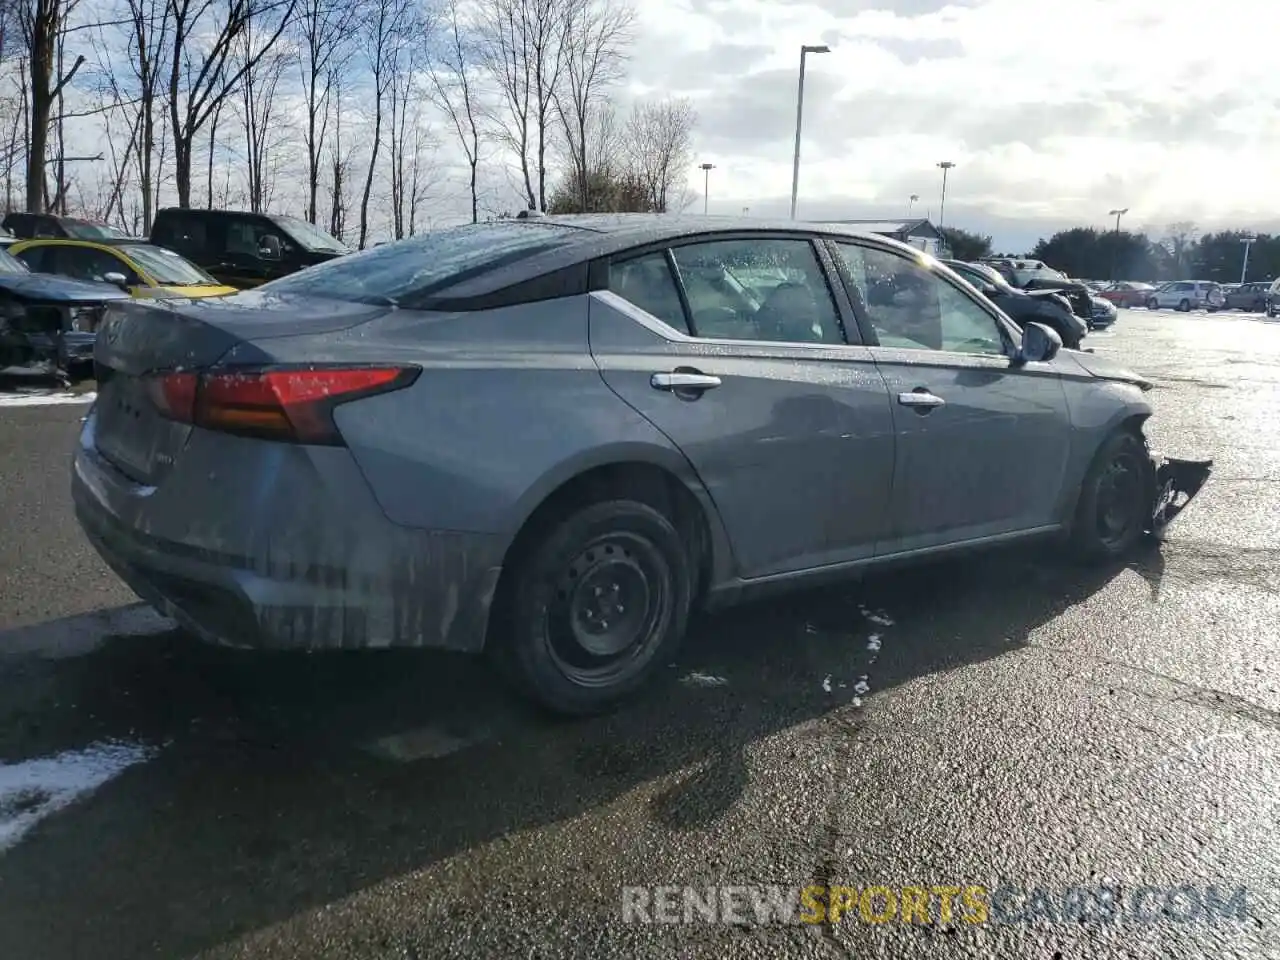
(1011, 335)
(599, 282)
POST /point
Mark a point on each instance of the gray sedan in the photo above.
(552, 438)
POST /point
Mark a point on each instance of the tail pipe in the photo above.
(1172, 484)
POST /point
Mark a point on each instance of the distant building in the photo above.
(917, 232)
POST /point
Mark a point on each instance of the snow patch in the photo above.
(826, 684)
(873, 642)
(45, 399)
(696, 679)
(32, 790)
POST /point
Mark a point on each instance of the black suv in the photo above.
(242, 249)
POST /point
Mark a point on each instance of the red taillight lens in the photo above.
(294, 405)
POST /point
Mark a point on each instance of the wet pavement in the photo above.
(1009, 719)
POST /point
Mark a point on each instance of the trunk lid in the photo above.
(139, 337)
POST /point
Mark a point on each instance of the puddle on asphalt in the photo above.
(35, 789)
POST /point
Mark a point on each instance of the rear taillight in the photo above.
(293, 404)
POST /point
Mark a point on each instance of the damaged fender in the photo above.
(1173, 483)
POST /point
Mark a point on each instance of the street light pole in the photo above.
(1115, 246)
(912, 202)
(706, 185)
(795, 164)
(945, 165)
(1248, 242)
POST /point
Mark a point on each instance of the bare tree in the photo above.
(659, 146)
(260, 123)
(201, 78)
(323, 30)
(388, 27)
(598, 34)
(524, 43)
(1179, 242)
(339, 167)
(147, 31)
(42, 23)
(456, 91)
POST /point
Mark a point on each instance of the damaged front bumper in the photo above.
(1173, 485)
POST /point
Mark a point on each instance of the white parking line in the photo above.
(45, 399)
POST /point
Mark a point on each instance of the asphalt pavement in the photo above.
(1009, 722)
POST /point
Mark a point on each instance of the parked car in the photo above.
(27, 226)
(1022, 306)
(142, 269)
(1247, 296)
(1021, 271)
(552, 438)
(1127, 293)
(1187, 295)
(1273, 298)
(48, 324)
(244, 250)
(1104, 312)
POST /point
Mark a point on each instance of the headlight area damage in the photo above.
(1173, 484)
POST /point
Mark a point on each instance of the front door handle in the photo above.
(682, 381)
(921, 400)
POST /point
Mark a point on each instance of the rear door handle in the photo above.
(681, 381)
(921, 399)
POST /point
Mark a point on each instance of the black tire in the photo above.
(556, 643)
(1111, 512)
(1153, 304)
(1184, 305)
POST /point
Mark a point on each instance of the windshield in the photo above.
(310, 236)
(979, 274)
(165, 266)
(11, 264)
(84, 230)
(422, 264)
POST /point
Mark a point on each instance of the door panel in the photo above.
(795, 444)
(990, 459)
(982, 443)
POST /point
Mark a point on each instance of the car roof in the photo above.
(83, 242)
(588, 237)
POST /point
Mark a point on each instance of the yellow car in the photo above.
(141, 268)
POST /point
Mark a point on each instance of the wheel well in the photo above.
(645, 482)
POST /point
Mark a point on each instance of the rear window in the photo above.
(395, 272)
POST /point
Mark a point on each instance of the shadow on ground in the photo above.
(266, 802)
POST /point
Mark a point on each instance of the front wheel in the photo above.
(595, 606)
(1153, 304)
(1111, 512)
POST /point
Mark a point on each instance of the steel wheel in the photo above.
(608, 602)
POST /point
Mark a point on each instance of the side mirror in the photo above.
(1040, 344)
(119, 279)
(269, 247)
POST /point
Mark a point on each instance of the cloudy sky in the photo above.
(1053, 112)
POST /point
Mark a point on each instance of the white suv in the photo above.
(1187, 295)
(1273, 299)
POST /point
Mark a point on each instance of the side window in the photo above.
(36, 259)
(758, 289)
(912, 307)
(183, 233)
(87, 264)
(242, 237)
(648, 283)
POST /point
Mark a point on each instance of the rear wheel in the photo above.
(595, 605)
(1111, 512)
(1184, 305)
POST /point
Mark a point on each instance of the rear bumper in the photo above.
(378, 584)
